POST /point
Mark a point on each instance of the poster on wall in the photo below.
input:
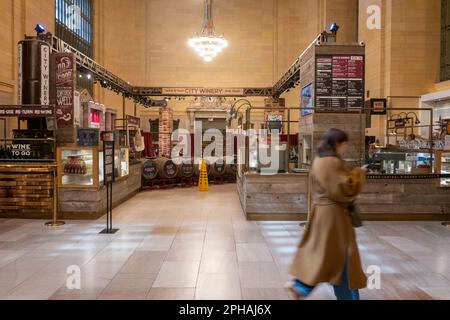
(64, 68)
(306, 102)
(339, 83)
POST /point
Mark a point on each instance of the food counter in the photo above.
(385, 197)
(27, 190)
(82, 194)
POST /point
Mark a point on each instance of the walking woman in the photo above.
(329, 252)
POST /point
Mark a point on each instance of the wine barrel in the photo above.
(167, 169)
(186, 170)
(218, 169)
(231, 169)
(149, 170)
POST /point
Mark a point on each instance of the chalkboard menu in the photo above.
(339, 83)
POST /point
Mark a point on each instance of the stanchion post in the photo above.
(55, 222)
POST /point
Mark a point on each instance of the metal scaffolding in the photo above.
(142, 95)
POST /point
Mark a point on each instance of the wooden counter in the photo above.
(91, 203)
(26, 190)
(285, 197)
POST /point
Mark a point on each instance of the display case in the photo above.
(408, 162)
(443, 167)
(121, 163)
(78, 167)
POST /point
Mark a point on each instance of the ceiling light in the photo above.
(207, 43)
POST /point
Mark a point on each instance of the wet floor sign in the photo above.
(203, 184)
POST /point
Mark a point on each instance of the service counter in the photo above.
(27, 190)
(90, 203)
(385, 197)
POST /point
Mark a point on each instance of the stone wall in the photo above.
(317, 124)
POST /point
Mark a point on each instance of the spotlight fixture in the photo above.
(40, 28)
(89, 76)
(334, 28)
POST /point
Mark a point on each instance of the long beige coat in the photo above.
(329, 241)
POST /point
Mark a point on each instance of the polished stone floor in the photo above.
(182, 244)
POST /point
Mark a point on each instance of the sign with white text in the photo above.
(219, 92)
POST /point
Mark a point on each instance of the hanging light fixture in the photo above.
(207, 43)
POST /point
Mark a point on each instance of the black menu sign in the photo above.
(339, 83)
(108, 157)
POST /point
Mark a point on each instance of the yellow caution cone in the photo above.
(203, 184)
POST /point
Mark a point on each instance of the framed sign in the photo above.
(108, 158)
(134, 121)
(339, 85)
(88, 137)
(306, 101)
(378, 106)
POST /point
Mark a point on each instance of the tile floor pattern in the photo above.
(182, 244)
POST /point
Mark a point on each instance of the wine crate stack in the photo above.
(165, 131)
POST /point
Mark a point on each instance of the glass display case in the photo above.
(78, 167)
(443, 167)
(121, 162)
(396, 162)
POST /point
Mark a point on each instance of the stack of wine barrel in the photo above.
(164, 173)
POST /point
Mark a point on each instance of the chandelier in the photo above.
(207, 43)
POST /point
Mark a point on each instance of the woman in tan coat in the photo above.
(328, 252)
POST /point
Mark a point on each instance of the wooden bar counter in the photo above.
(385, 197)
(27, 190)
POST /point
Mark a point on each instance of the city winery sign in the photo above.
(219, 92)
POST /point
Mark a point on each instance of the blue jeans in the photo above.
(342, 291)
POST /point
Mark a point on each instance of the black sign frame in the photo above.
(346, 98)
(108, 178)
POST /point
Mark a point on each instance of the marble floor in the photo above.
(182, 244)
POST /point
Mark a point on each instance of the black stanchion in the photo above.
(108, 173)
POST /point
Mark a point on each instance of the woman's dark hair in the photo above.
(330, 141)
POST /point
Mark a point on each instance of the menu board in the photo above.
(339, 83)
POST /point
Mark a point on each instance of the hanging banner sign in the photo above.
(45, 75)
(64, 65)
(134, 121)
(219, 92)
(19, 73)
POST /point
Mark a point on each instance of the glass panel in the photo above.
(77, 167)
(100, 167)
(124, 162)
